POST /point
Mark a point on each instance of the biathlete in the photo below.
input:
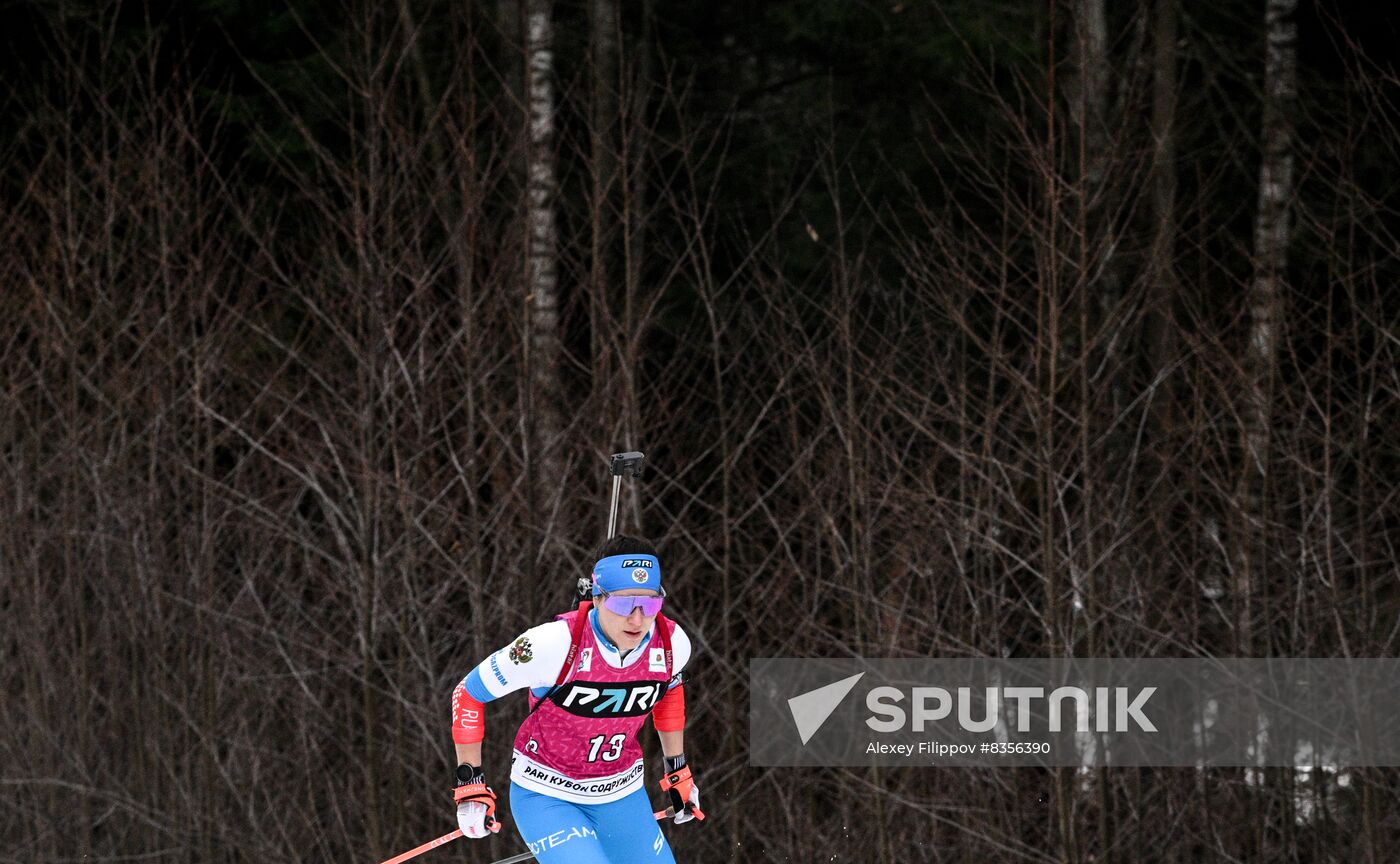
(594, 675)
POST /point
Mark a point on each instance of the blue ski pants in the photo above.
(562, 832)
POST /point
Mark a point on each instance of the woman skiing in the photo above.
(594, 675)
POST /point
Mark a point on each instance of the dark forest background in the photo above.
(960, 328)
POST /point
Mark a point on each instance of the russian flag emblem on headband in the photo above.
(620, 572)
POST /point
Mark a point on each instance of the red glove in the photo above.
(684, 794)
(476, 806)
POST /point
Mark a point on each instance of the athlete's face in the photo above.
(626, 631)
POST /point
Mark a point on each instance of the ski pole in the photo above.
(431, 844)
(523, 856)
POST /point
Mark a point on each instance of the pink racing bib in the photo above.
(580, 742)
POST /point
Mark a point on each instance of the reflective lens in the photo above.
(624, 605)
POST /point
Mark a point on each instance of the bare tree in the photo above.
(1161, 256)
(547, 447)
(1265, 305)
(263, 497)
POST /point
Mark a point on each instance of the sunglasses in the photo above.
(625, 604)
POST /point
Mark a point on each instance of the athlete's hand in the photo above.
(476, 803)
(681, 788)
(691, 810)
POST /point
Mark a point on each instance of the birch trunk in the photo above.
(603, 19)
(1090, 110)
(1093, 116)
(1271, 235)
(1098, 288)
(1096, 284)
(635, 149)
(610, 361)
(542, 273)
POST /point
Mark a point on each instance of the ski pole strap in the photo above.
(678, 784)
(476, 792)
(678, 779)
(481, 794)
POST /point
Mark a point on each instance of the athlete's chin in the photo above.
(630, 639)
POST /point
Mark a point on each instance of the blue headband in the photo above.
(620, 572)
